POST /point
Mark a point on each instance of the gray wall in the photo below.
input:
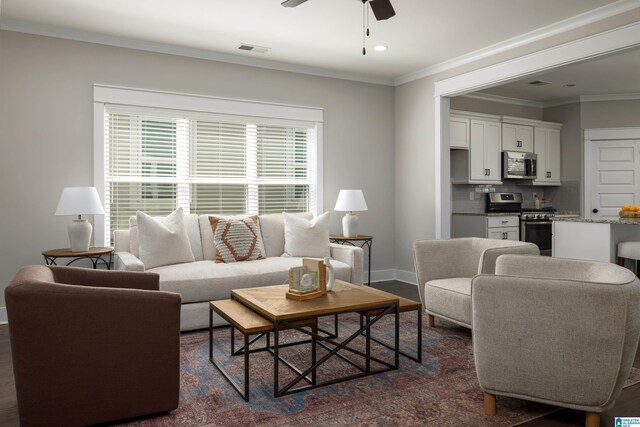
(568, 197)
(415, 139)
(610, 114)
(46, 132)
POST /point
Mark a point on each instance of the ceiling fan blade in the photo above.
(292, 3)
(382, 9)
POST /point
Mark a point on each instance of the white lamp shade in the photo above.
(79, 201)
(350, 200)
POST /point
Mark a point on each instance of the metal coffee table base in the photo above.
(327, 342)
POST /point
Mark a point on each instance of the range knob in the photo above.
(540, 216)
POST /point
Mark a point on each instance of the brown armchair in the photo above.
(91, 346)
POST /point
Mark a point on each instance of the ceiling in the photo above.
(617, 73)
(325, 34)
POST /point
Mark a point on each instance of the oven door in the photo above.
(538, 232)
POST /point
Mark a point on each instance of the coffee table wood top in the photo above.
(270, 301)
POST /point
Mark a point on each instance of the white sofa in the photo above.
(205, 280)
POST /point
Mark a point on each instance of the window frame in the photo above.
(132, 97)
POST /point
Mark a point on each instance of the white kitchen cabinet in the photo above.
(517, 138)
(459, 132)
(480, 164)
(489, 226)
(546, 143)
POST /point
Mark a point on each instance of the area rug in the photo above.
(443, 390)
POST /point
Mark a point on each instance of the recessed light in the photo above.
(380, 48)
(570, 85)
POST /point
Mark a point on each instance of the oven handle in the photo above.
(537, 222)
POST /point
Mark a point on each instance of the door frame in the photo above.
(615, 40)
(597, 135)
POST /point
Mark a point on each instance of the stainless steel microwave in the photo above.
(517, 165)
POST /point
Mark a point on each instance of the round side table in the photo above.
(94, 254)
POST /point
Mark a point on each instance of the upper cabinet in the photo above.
(480, 164)
(547, 147)
(459, 132)
(477, 141)
(517, 137)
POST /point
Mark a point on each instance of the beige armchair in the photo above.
(445, 268)
(92, 346)
(557, 331)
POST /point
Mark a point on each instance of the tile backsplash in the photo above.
(461, 201)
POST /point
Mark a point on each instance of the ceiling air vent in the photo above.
(253, 48)
(539, 83)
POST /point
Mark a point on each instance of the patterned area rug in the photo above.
(443, 390)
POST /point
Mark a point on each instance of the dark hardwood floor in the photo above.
(628, 405)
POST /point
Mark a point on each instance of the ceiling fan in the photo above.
(382, 10)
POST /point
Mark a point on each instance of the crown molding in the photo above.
(503, 100)
(563, 101)
(593, 98)
(611, 97)
(125, 42)
(568, 24)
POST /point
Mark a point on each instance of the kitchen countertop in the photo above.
(625, 221)
(487, 213)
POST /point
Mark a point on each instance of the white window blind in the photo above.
(157, 159)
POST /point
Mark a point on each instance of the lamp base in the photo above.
(350, 225)
(80, 235)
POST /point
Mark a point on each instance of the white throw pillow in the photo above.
(163, 241)
(272, 230)
(306, 238)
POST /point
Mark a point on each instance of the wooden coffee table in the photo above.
(271, 304)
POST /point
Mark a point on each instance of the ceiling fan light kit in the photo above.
(382, 10)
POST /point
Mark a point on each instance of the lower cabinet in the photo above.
(489, 226)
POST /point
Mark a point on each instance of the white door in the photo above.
(553, 155)
(614, 176)
(492, 144)
(540, 147)
(525, 139)
(477, 168)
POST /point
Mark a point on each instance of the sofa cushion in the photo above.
(303, 238)
(193, 231)
(207, 280)
(163, 241)
(236, 239)
(449, 298)
(272, 230)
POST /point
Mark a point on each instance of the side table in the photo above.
(360, 241)
(94, 254)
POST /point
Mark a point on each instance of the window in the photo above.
(158, 159)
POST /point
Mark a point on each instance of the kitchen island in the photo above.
(593, 239)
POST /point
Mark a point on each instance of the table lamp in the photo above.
(79, 201)
(349, 201)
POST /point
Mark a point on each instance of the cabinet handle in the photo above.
(505, 222)
(505, 236)
(548, 174)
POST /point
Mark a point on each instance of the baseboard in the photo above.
(392, 274)
(3, 316)
(406, 276)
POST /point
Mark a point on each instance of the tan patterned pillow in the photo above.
(237, 239)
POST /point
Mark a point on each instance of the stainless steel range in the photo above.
(536, 227)
(535, 224)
